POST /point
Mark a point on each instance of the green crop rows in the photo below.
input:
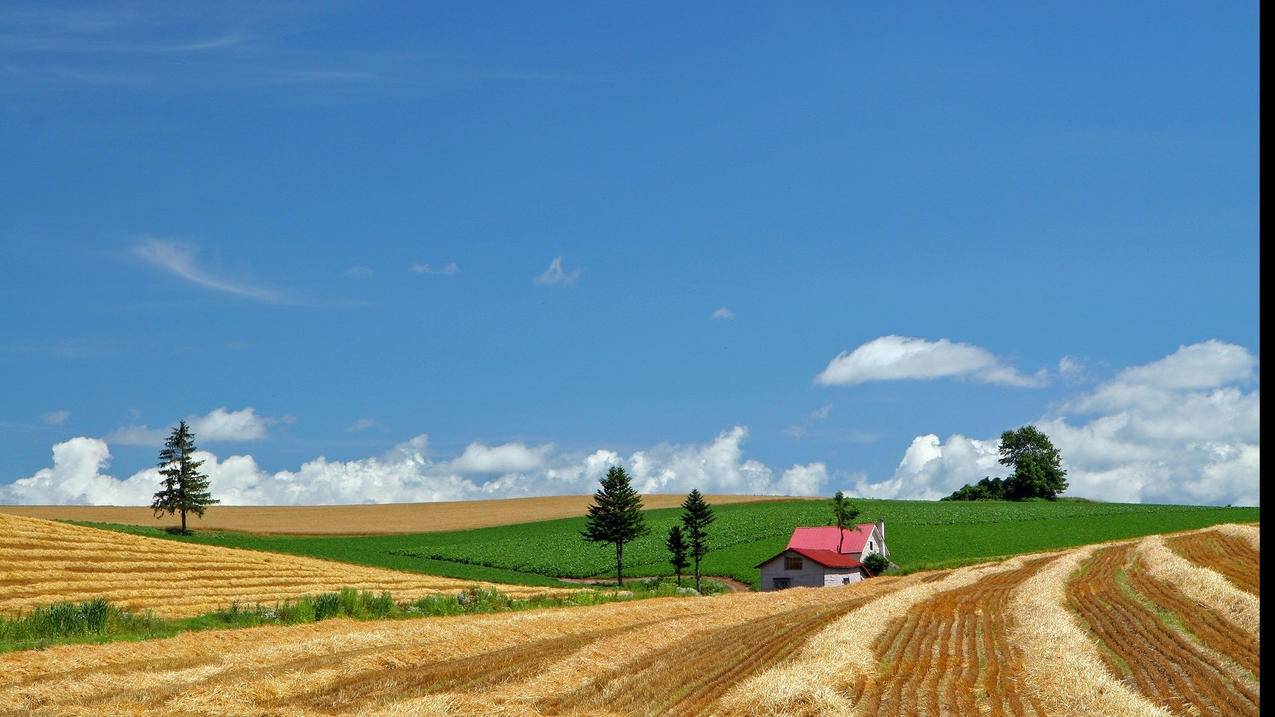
(920, 534)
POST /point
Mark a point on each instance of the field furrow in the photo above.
(951, 656)
(1164, 665)
(43, 562)
(1231, 555)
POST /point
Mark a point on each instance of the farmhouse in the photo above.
(813, 558)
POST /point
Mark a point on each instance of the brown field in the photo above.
(42, 561)
(1231, 555)
(1088, 631)
(360, 519)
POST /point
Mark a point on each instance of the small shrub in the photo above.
(876, 563)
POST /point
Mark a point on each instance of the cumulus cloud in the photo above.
(1183, 429)
(555, 275)
(55, 418)
(723, 314)
(505, 458)
(893, 358)
(408, 473)
(220, 424)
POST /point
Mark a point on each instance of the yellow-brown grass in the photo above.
(360, 519)
(1165, 665)
(1232, 555)
(991, 639)
(42, 562)
(1200, 583)
(830, 671)
(1061, 664)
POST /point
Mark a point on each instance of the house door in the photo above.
(781, 583)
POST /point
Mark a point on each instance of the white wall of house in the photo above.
(833, 578)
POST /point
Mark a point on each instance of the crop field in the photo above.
(44, 561)
(371, 519)
(921, 535)
(1121, 628)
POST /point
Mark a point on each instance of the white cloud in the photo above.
(1072, 369)
(891, 358)
(505, 458)
(447, 269)
(799, 430)
(407, 473)
(223, 425)
(361, 425)
(220, 424)
(723, 314)
(556, 275)
(1179, 430)
(179, 258)
(55, 418)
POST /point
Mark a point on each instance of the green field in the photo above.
(920, 535)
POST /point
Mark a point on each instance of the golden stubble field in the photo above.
(362, 519)
(1125, 628)
(43, 561)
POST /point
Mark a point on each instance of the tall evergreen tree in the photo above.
(615, 516)
(697, 515)
(183, 489)
(843, 514)
(676, 545)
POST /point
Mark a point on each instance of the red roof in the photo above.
(828, 558)
(825, 538)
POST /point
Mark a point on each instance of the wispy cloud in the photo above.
(179, 259)
(447, 269)
(359, 271)
(55, 418)
(226, 47)
(555, 275)
(723, 314)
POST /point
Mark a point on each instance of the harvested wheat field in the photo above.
(374, 519)
(1098, 630)
(42, 562)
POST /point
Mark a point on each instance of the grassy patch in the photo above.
(922, 535)
(96, 620)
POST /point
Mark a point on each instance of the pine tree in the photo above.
(843, 514)
(697, 515)
(184, 489)
(615, 516)
(676, 545)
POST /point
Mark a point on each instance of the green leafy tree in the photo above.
(843, 515)
(615, 516)
(183, 489)
(676, 545)
(1037, 464)
(876, 563)
(1038, 471)
(697, 515)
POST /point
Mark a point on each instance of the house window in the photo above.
(870, 545)
(792, 563)
(781, 583)
(845, 581)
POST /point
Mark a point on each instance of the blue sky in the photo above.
(233, 208)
